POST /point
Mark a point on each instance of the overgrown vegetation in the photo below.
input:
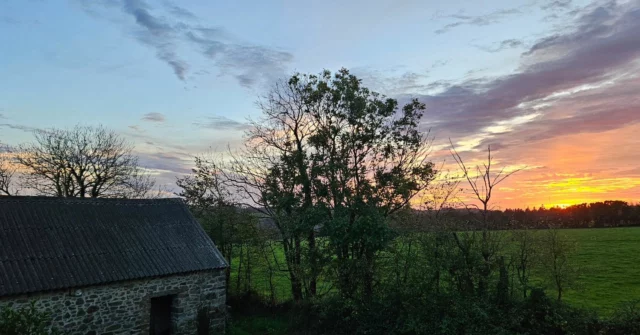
(25, 321)
(335, 221)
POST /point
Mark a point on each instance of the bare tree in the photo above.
(482, 185)
(83, 162)
(7, 172)
(483, 182)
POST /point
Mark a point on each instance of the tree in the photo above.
(524, 256)
(211, 201)
(329, 154)
(7, 172)
(560, 270)
(83, 162)
(482, 184)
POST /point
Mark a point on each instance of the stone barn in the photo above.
(111, 266)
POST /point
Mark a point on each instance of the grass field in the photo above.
(610, 262)
(608, 257)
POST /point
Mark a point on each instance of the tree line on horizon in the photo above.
(599, 214)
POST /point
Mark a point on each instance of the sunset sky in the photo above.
(552, 85)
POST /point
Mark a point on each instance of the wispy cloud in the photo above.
(393, 81)
(503, 45)
(221, 123)
(247, 63)
(154, 117)
(178, 28)
(179, 11)
(156, 33)
(175, 162)
(478, 20)
(22, 127)
(556, 5)
(590, 70)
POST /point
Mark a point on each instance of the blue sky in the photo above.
(179, 77)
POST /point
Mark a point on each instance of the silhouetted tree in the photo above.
(482, 184)
(329, 154)
(83, 162)
(7, 172)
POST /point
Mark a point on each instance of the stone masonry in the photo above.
(124, 308)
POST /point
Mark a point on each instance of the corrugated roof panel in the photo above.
(57, 243)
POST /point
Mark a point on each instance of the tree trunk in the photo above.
(559, 293)
(313, 262)
(292, 256)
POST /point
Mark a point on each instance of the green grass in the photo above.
(610, 263)
(608, 257)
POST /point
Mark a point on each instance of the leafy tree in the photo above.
(212, 203)
(338, 158)
(524, 256)
(83, 162)
(559, 269)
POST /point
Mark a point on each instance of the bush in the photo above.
(625, 320)
(25, 321)
(403, 312)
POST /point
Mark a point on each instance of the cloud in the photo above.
(578, 79)
(478, 20)
(556, 5)
(179, 11)
(221, 123)
(247, 63)
(8, 20)
(506, 44)
(156, 33)
(27, 129)
(169, 35)
(175, 162)
(154, 117)
(631, 172)
(391, 82)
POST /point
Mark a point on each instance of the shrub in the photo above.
(25, 321)
(625, 320)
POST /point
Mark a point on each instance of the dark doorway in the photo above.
(161, 315)
(203, 321)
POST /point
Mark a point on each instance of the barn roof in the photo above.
(58, 243)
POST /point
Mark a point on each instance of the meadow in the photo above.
(608, 259)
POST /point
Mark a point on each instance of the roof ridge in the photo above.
(77, 200)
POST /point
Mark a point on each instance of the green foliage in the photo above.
(263, 325)
(607, 257)
(560, 270)
(25, 321)
(329, 156)
(625, 319)
(407, 301)
(406, 311)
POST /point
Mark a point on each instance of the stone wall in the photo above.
(124, 308)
